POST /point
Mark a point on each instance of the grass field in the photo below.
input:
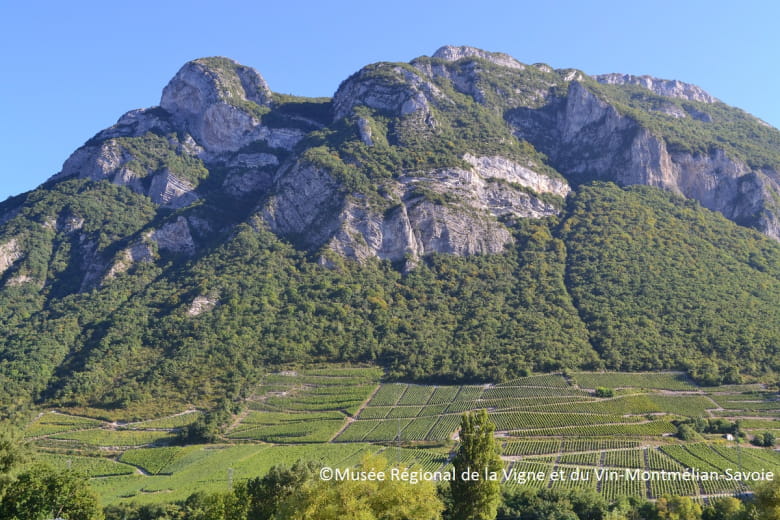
(337, 415)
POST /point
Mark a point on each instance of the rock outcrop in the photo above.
(138, 252)
(662, 87)
(167, 189)
(397, 89)
(451, 53)
(174, 237)
(586, 138)
(10, 252)
(218, 101)
(201, 304)
(114, 161)
(448, 210)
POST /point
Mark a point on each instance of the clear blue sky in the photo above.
(72, 68)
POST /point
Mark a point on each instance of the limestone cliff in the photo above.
(587, 138)
(430, 156)
(448, 210)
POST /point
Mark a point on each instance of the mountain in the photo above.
(461, 217)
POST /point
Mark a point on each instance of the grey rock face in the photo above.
(213, 110)
(498, 167)
(464, 76)
(201, 304)
(451, 53)
(244, 183)
(208, 97)
(414, 229)
(397, 90)
(662, 87)
(138, 122)
(10, 252)
(98, 162)
(250, 173)
(138, 252)
(168, 190)
(310, 208)
(307, 198)
(111, 161)
(92, 265)
(364, 127)
(21, 279)
(586, 138)
(174, 237)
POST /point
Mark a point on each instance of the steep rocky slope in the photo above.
(412, 159)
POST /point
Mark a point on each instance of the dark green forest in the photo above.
(625, 279)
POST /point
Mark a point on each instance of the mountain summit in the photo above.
(128, 265)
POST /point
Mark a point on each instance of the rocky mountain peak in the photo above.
(453, 53)
(662, 87)
(396, 88)
(209, 80)
(217, 100)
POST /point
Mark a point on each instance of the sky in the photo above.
(73, 68)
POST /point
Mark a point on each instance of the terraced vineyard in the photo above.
(548, 424)
(652, 380)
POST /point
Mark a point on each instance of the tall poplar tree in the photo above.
(476, 499)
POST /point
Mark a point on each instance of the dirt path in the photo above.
(350, 420)
(240, 417)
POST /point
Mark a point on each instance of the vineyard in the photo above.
(546, 425)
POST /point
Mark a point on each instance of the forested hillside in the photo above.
(623, 279)
(460, 218)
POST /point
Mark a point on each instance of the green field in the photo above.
(337, 415)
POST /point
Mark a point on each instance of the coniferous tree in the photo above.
(476, 498)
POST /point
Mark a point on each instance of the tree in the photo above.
(265, 494)
(476, 498)
(673, 507)
(725, 508)
(687, 433)
(225, 505)
(43, 493)
(768, 500)
(556, 504)
(363, 499)
(12, 455)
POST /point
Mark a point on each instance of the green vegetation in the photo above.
(152, 460)
(152, 153)
(476, 498)
(707, 127)
(50, 423)
(662, 380)
(578, 434)
(92, 466)
(12, 455)
(647, 317)
(41, 492)
(365, 499)
(567, 286)
(604, 392)
(115, 437)
(157, 404)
